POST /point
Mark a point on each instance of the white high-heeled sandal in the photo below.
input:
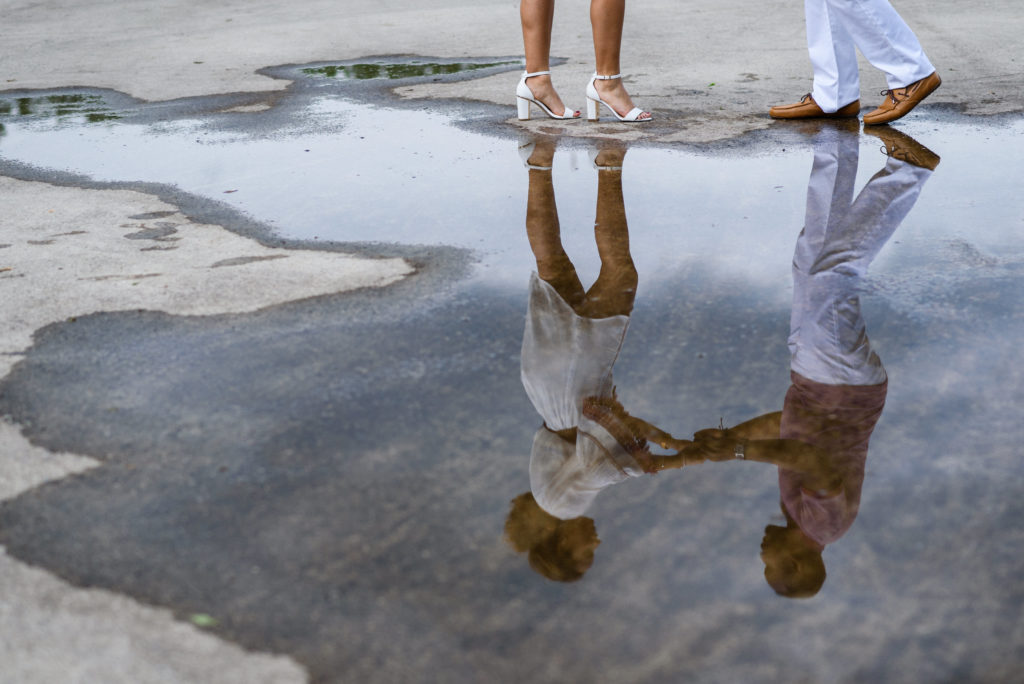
(524, 97)
(593, 98)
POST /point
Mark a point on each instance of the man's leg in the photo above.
(836, 90)
(887, 42)
(833, 57)
(884, 39)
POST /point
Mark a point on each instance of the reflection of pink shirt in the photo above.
(839, 419)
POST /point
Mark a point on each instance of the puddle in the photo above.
(411, 69)
(373, 517)
(382, 175)
(73, 107)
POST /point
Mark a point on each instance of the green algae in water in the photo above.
(396, 71)
(92, 107)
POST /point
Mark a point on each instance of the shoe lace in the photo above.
(891, 94)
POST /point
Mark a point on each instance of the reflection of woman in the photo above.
(605, 86)
(819, 440)
(572, 338)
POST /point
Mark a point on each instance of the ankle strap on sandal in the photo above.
(528, 74)
(607, 78)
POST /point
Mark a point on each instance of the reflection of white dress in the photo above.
(565, 359)
(565, 477)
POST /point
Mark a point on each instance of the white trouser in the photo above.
(828, 342)
(836, 27)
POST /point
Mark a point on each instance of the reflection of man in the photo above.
(572, 339)
(819, 440)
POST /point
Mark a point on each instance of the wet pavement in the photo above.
(343, 479)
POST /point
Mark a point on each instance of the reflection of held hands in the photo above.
(718, 444)
(686, 455)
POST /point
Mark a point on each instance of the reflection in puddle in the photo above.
(75, 106)
(421, 180)
(819, 441)
(394, 434)
(588, 441)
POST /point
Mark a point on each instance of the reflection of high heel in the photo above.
(594, 98)
(600, 167)
(524, 96)
(525, 152)
(593, 154)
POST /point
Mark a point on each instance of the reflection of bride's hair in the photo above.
(560, 550)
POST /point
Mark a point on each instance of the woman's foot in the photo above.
(613, 93)
(544, 92)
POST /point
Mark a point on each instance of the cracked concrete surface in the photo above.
(70, 252)
(116, 250)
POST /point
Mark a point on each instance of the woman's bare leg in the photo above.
(537, 17)
(606, 18)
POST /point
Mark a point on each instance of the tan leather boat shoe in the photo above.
(900, 101)
(807, 108)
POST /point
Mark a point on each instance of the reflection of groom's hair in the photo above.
(794, 568)
(839, 383)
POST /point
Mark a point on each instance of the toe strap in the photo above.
(633, 114)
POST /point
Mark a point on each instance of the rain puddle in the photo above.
(424, 488)
(355, 173)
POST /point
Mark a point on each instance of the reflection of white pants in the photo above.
(836, 27)
(841, 237)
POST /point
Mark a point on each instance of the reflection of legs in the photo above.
(872, 219)
(833, 57)
(827, 340)
(542, 229)
(829, 193)
(613, 292)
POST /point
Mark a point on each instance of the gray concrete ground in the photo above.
(708, 70)
(711, 69)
